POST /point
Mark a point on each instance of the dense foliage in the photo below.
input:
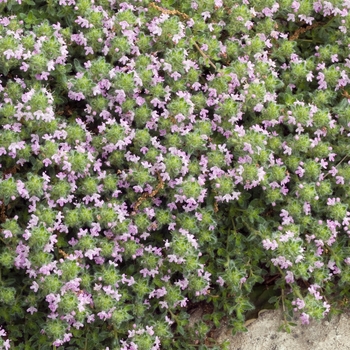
(159, 155)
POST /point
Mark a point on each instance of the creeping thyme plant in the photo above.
(160, 156)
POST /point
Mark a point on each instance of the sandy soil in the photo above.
(263, 334)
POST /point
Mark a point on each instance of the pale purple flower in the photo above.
(339, 180)
(287, 149)
(84, 23)
(2, 332)
(299, 258)
(286, 237)
(300, 171)
(295, 6)
(334, 58)
(267, 244)
(307, 208)
(291, 17)
(243, 280)
(221, 281)
(158, 293)
(24, 66)
(309, 76)
(317, 6)
(91, 253)
(289, 277)
(267, 12)
(32, 309)
(282, 262)
(313, 288)
(300, 304)
(7, 233)
(259, 107)
(304, 318)
(34, 287)
(154, 28)
(322, 84)
(248, 147)
(332, 266)
(332, 201)
(206, 15)
(327, 8)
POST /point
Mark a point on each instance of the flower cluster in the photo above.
(157, 155)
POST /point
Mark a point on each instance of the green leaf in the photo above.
(30, 19)
(273, 299)
(181, 330)
(238, 326)
(10, 281)
(221, 252)
(246, 305)
(77, 65)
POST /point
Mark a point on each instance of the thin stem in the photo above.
(204, 55)
(338, 164)
(250, 228)
(283, 306)
(341, 161)
(282, 299)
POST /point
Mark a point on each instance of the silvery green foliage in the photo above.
(160, 156)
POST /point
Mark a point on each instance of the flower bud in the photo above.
(34, 185)
(79, 161)
(55, 328)
(104, 302)
(72, 218)
(307, 192)
(173, 164)
(7, 258)
(187, 222)
(121, 316)
(273, 195)
(8, 189)
(194, 142)
(338, 211)
(39, 236)
(51, 284)
(70, 269)
(68, 303)
(7, 295)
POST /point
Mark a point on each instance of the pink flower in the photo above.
(300, 304)
(282, 262)
(334, 58)
(221, 281)
(7, 233)
(295, 6)
(206, 15)
(289, 277)
(267, 244)
(304, 318)
(309, 76)
(34, 287)
(32, 309)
